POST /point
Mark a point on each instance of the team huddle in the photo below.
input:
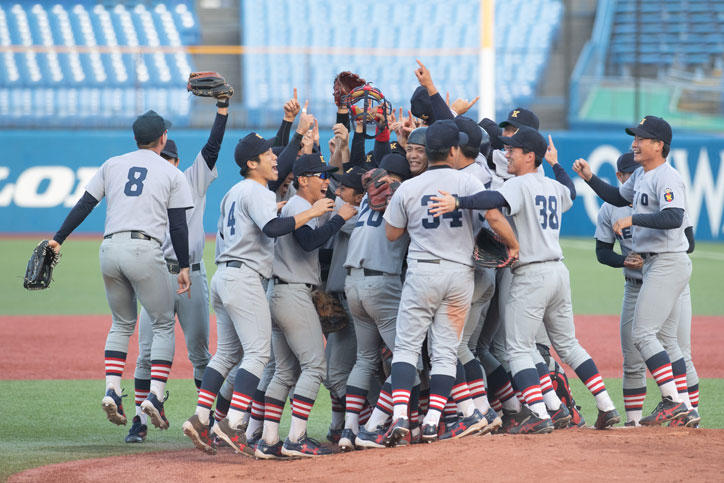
(435, 346)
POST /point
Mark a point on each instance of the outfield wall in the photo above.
(43, 173)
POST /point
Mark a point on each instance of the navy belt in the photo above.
(646, 255)
(279, 281)
(436, 260)
(367, 272)
(136, 235)
(234, 264)
(635, 281)
(174, 268)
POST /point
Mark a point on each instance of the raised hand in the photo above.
(461, 106)
(305, 120)
(347, 211)
(291, 108)
(581, 167)
(322, 206)
(425, 79)
(551, 152)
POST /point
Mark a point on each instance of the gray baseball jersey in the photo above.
(245, 209)
(291, 262)
(483, 174)
(140, 187)
(199, 177)
(430, 237)
(369, 247)
(337, 274)
(650, 192)
(536, 205)
(607, 216)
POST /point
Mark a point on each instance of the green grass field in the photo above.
(51, 421)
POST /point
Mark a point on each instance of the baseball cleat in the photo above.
(333, 435)
(606, 419)
(306, 447)
(429, 433)
(494, 422)
(577, 420)
(154, 408)
(561, 417)
(113, 406)
(370, 439)
(631, 424)
(138, 431)
(397, 431)
(666, 410)
(415, 433)
(198, 432)
(346, 440)
(255, 437)
(268, 451)
(526, 422)
(465, 426)
(689, 419)
(233, 437)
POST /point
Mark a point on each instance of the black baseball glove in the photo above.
(332, 315)
(490, 252)
(209, 84)
(40, 267)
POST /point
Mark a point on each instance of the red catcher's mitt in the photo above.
(379, 188)
(209, 84)
(490, 252)
(343, 85)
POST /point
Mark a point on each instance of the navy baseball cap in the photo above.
(396, 164)
(652, 127)
(352, 178)
(520, 117)
(250, 146)
(421, 106)
(471, 129)
(444, 135)
(417, 136)
(149, 126)
(311, 164)
(170, 150)
(626, 163)
(529, 139)
(491, 127)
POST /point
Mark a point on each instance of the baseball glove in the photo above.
(40, 267)
(332, 315)
(343, 85)
(490, 252)
(379, 190)
(209, 84)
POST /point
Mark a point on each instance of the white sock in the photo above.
(114, 382)
(482, 404)
(466, 407)
(270, 435)
(512, 404)
(158, 388)
(553, 402)
(142, 415)
(235, 417)
(432, 417)
(254, 425)
(399, 411)
(203, 414)
(297, 429)
(337, 420)
(634, 415)
(603, 401)
(351, 421)
(687, 401)
(539, 409)
(247, 416)
(669, 389)
(377, 418)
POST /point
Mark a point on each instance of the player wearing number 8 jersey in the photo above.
(145, 193)
(540, 289)
(439, 283)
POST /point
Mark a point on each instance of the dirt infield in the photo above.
(43, 344)
(569, 455)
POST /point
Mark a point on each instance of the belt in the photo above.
(646, 255)
(234, 264)
(367, 272)
(635, 281)
(175, 269)
(136, 235)
(436, 260)
(279, 281)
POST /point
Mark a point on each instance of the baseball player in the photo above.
(247, 225)
(439, 282)
(297, 334)
(540, 287)
(373, 287)
(145, 195)
(193, 311)
(658, 196)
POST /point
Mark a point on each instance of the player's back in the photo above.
(140, 187)
(536, 206)
(450, 236)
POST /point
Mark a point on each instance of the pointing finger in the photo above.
(473, 102)
(295, 93)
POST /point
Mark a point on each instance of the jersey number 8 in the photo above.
(136, 176)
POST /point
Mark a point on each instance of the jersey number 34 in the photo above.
(455, 217)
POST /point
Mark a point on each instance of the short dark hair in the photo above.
(469, 151)
(538, 161)
(665, 150)
(295, 183)
(437, 155)
(245, 168)
(150, 145)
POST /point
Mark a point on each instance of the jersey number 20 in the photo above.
(548, 211)
(136, 176)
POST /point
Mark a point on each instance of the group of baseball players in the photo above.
(436, 346)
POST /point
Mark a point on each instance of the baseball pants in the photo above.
(482, 296)
(133, 270)
(495, 326)
(683, 336)
(634, 367)
(193, 316)
(298, 343)
(340, 352)
(658, 307)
